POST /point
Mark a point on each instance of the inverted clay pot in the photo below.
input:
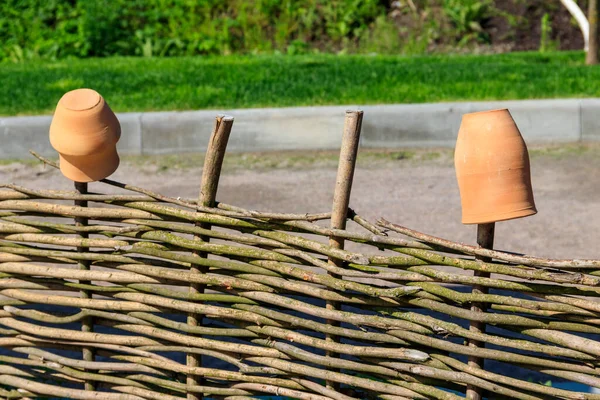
(85, 133)
(492, 168)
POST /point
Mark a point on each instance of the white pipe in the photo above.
(581, 19)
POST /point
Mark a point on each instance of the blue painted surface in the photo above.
(572, 386)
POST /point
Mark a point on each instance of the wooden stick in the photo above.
(211, 173)
(485, 239)
(341, 200)
(87, 324)
(22, 193)
(461, 248)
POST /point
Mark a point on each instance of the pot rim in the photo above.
(489, 217)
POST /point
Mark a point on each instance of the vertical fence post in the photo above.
(215, 153)
(87, 324)
(485, 239)
(341, 200)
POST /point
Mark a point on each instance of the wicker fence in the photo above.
(142, 296)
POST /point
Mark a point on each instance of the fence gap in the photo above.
(485, 239)
(341, 200)
(211, 172)
(87, 323)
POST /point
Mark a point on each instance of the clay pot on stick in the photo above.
(494, 179)
(85, 133)
(492, 168)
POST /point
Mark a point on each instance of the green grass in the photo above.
(149, 84)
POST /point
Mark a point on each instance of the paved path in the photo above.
(310, 128)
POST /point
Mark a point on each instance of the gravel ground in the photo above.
(415, 188)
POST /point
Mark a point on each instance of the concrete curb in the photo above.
(312, 128)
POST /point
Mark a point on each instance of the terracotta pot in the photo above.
(492, 168)
(85, 133)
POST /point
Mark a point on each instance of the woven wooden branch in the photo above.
(403, 306)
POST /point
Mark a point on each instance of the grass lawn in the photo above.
(149, 84)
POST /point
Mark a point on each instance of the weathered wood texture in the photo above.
(404, 305)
